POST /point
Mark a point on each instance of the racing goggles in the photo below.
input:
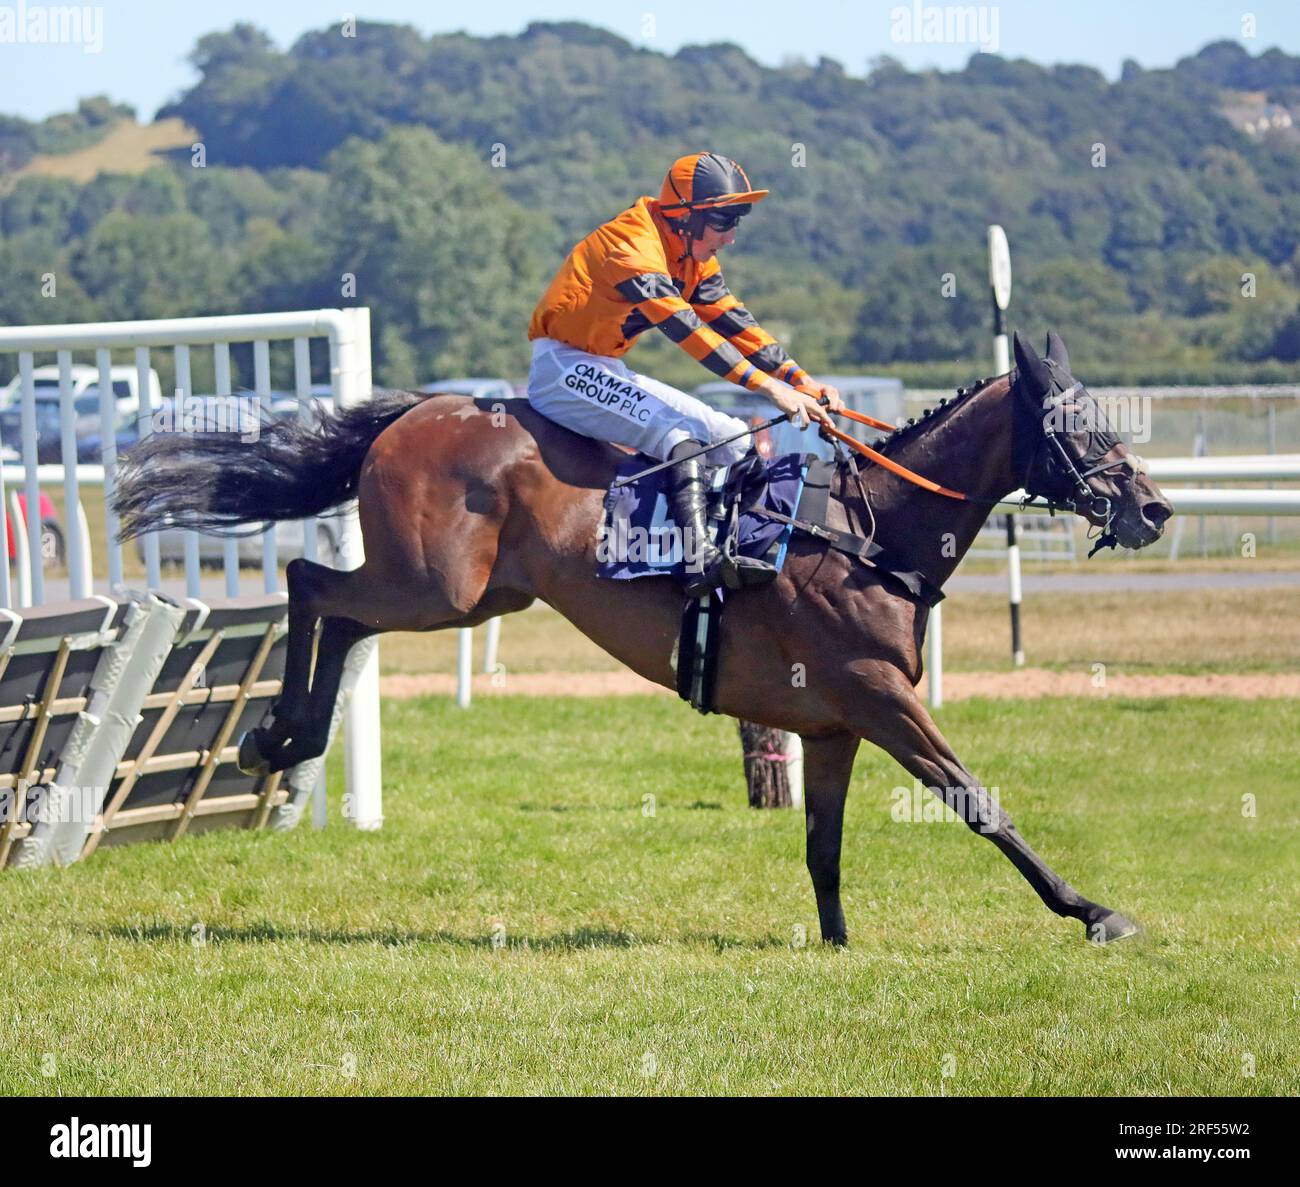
(725, 218)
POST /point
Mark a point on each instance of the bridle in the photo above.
(1049, 465)
(1051, 461)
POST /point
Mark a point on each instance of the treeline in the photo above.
(440, 180)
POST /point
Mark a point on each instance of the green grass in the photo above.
(649, 954)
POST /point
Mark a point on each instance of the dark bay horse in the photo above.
(469, 511)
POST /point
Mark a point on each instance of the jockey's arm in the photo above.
(656, 300)
(722, 311)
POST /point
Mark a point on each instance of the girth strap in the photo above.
(866, 551)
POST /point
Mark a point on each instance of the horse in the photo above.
(471, 509)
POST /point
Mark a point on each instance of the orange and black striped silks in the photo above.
(628, 275)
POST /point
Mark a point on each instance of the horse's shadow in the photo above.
(575, 940)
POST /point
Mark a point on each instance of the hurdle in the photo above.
(129, 730)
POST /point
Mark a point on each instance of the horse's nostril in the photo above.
(1157, 513)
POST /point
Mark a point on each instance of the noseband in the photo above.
(1051, 464)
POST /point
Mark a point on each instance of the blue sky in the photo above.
(145, 42)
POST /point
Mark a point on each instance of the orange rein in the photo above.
(880, 459)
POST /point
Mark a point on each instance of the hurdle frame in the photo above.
(348, 334)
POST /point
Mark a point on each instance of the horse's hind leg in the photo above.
(889, 713)
(263, 749)
(351, 605)
(318, 594)
(304, 735)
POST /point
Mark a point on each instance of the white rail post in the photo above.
(108, 458)
(302, 390)
(78, 578)
(464, 665)
(1203, 436)
(22, 553)
(350, 377)
(222, 387)
(7, 599)
(319, 803)
(87, 552)
(183, 389)
(1000, 287)
(1014, 592)
(491, 645)
(794, 768)
(32, 490)
(262, 404)
(934, 655)
(144, 383)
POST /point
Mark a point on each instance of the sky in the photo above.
(139, 55)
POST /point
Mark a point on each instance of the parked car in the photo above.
(49, 431)
(479, 387)
(86, 408)
(872, 395)
(45, 382)
(90, 448)
(288, 535)
(53, 549)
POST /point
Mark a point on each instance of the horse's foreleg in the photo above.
(827, 769)
(895, 720)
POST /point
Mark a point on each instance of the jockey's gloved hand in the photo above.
(802, 409)
(825, 393)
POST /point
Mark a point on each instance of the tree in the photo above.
(147, 267)
(448, 261)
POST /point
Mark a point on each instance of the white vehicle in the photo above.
(85, 382)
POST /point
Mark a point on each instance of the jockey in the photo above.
(656, 264)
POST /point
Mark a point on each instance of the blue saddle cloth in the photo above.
(638, 538)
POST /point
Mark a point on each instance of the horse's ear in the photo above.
(1056, 351)
(1037, 378)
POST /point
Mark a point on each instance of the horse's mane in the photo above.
(929, 417)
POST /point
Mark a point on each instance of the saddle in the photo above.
(755, 506)
(638, 537)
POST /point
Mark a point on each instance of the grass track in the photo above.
(659, 953)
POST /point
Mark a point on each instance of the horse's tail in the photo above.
(224, 484)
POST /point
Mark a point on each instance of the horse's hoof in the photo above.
(251, 759)
(1111, 927)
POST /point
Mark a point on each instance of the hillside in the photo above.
(127, 147)
(1156, 219)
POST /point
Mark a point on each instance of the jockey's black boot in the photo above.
(706, 566)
